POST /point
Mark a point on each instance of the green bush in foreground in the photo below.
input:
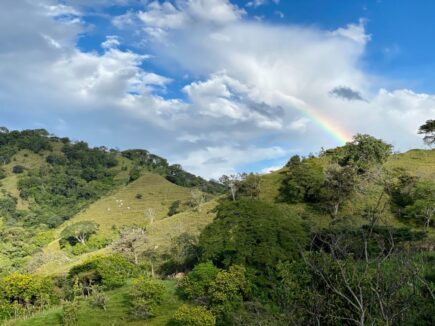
(193, 316)
(110, 272)
(146, 296)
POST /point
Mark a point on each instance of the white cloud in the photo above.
(159, 17)
(215, 161)
(253, 91)
(354, 32)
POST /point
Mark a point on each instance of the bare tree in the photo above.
(232, 182)
(151, 214)
(132, 243)
(197, 198)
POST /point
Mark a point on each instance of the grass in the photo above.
(116, 313)
(157, 194)
(8, 186)
(123, 208)
(417, 162)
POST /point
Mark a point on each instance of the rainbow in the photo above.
(331, 127)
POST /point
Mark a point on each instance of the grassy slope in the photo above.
(158, 194)
(8, 186)
(416, 162)
(115, 314)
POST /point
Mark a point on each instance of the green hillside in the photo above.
(93, 236)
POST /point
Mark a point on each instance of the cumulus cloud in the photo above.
(159, 17)
(253, 92)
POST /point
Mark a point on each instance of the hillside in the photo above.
(103, 234)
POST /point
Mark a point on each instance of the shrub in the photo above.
(18, 169)
(110, 272)
(70, 313)
(193, 316)
(146, 295)
(174, 209)
(195, 285)
(134, 174)
(139, 196)
(2, 174)
(99, 298)
(21, 292)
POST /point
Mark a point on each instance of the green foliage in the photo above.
(414, 200)
(2, 173)
(227, 291)
(173, 209)
(422, 208)
(303, 181)
(252, 233)
(188, 315)
(71, 180)
(146, 296)
(183, 253)
(363, 152)
(195, 286)
(70, 313)
(173, 173)
(134, 174)
(372, 240)
(24, 292)
(108, 271)
(99, 298)
(428, 130)
(78, 232)
(340, 183)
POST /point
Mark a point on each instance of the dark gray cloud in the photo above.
(347, 93)
(216, 160)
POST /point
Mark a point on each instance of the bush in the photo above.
(193, 316)
(18, 169)
(2, 174)
(99, 298)
(139, 196)
(24, 292)
(70, 313)
(195, 285)
(146, 295)
(174, 209)
(110, 272)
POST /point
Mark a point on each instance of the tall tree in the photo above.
(428, 130)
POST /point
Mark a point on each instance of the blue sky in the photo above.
(219, 86)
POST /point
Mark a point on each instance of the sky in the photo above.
(219, 86)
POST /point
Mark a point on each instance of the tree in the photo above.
(146, 296)
(303, 181)
(422, 208)
(197, 198)
(252, 233)
(428, 130)
(195, 286)
(79, 232)
(132, 244)
(339, 186)
(231, 182)
(363, 152)
(183, 252)
(249, 185)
